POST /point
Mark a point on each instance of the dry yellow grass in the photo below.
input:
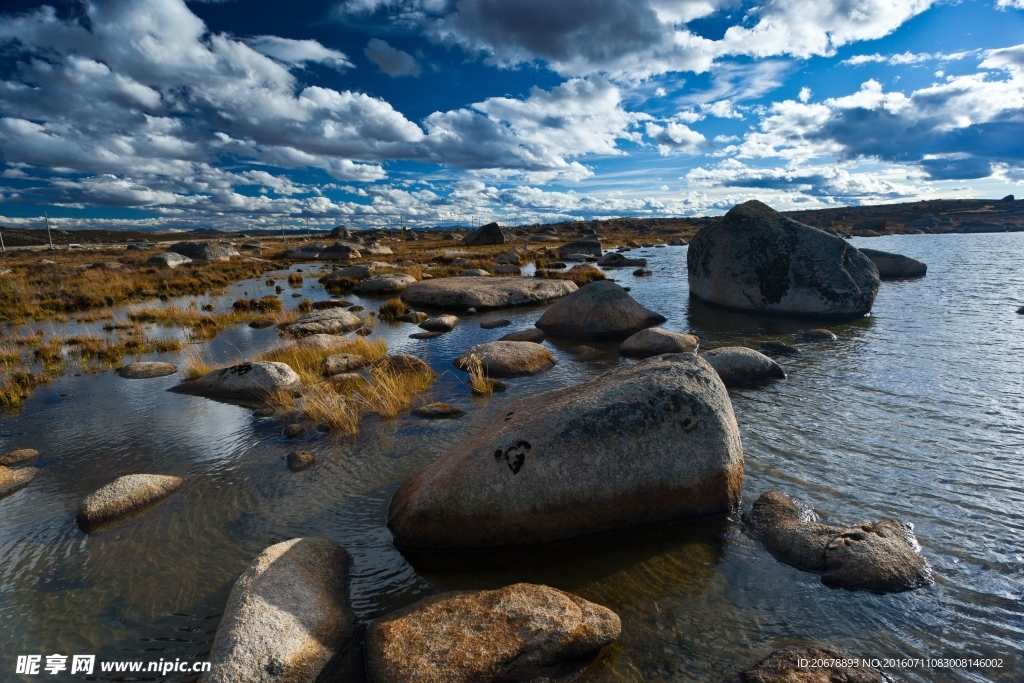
(478, 380)
(322, 404)
(392, 308)
(194, 363)
(308, 362)
(17, 385)
(388, 393)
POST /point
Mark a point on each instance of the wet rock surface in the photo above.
(655, 340)
(13, 480)
(125, 496)
(300, 460)
(536, 336)
(739, 366)
(18, 456)
(599, 310)
(441, 323)
(438, 411)
(520, 633)
(652, 441)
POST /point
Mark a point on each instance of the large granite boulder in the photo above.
(588, 247)
(485, 293)
(168, 259)
(13, 480)
(520, 633)
(339, 251)
(125, 496)
(655, 341)
(649, 442)
(244, 381)
(388, 283)
(204, 251)
(341, 232)
(328, 321)
(739, 366)
(757, 260)
(288, 614)
(895, 266)
(599, 310)
(488, 234)
(882, 556)
(507, 358)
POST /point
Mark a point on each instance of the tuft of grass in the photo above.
(478, 380)
(308, 362)
(9, 356)
(267, 304)
(388, 392)
(581, 276)
(392, 308)
(322, 404)
(305, 306)
(195, 364)
(294, 279)
(340, 286)
(50, 352)
(17, 386)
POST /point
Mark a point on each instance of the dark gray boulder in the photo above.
(649, 442)
(599, 310)
(757, 260)
(488, 234)
(739, 366)
(204, 251)
(616, 260)
(895, 266)
(589, 247)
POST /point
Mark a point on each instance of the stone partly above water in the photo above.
(124, 497)
(648, 442)
(13, 480)
(599, 310)
(18, 457)
(441, 323)
(788, 666)
(517, 634)
(883, 557)
(287, 615)
(438, 411)
(388, 283)
(147, 370)
(483, 293)
(615, 260)
(330, 321)
(895, 266)
(244, 381)
(536, 336)
(655, 341)
(739, 366)
(507, 358)
(757, 260)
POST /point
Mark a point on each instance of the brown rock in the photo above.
(515, 634)
(300, 460)
(12, 480)
(441, 323)
(18, 457)
(508, 358)
(438, 411)
(403, 362)
(818, 335)
(294, 431)
(536, 336)
(656, 340)
(344, 362)
(125, 496)
(492, 324)
(147, 370)
(483, 293)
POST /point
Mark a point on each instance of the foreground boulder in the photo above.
(488, 234)
(12, 480)
(895, 266)
(755, 259)
(599, 310)
(147, 370)
(649, 442)
(739, 366)
(790, 665)
(168, 259)
(125, 496)
(204, 251)
(244, 381)
(882, 556)
(329, 321)
(388, 283)
(654, 341)
(287, 615)
(519, 633)
(484, 293)
(507, 358)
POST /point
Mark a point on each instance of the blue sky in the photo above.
(239, 115)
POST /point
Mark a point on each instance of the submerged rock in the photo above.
(483, 293)
(508, 358)
(12, 480)
(331, 321)
(790, 666)
(649, 442)
(147, 370)
(300, 460)
(655, 340)
(389, 283)
(599, 310)
(287, 615)
(818, 335)
(894, 266)
(244, 381)
(492, 324)
(438, 411)
(739, 366)
(779, 348)
(19, 456)
(294, 430)
(425, 335)
(883, 557)
(125, 496)
(168, 259)
(642, 272)
(536, 336)
(517, 634)
(755, 259)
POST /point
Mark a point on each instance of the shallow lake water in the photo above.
(915, 413)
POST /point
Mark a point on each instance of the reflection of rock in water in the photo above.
(253, 526)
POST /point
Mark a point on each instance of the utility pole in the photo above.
(3, 249)
(280, 222)
(307, 228)
(47, 218)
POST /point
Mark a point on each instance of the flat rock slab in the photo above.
(515, 634)
(739, 366)
(536, 336)
(244, 381)
(599, 310)
(344, 362)
(441, 323)
(330, 321)
(389, 283)
(755, 259)
(648, 442)
(787, 666)
(507, 358)
(125, 496)
(895, 266)
(287, 615)
(883, 557)
(12, 480)
(494, 324)
(147, 370)
(656, 340)
(425, 335)
(485, 293)
(19, 456)
(438, 411)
